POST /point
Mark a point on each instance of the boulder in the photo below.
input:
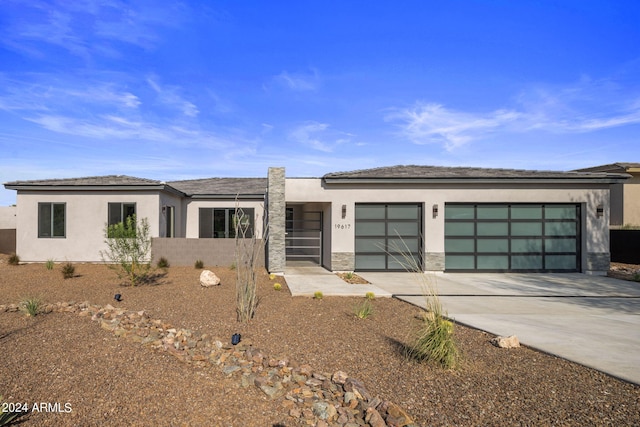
(506, 342)
(209, 278)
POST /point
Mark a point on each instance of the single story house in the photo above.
(447, 218)
(625, 196)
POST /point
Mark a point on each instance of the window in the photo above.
(170, 221)
(119, 212)
(221, 223)
(51, 220)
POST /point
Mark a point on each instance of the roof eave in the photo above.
(475, 180)
(135, 187)
(228, 196)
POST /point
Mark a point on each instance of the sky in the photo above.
(173, 90)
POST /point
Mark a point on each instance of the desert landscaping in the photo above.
(301, 361)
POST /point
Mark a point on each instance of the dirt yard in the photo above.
(105, 380)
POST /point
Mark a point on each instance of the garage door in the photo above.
(385, 234)
(512, 237)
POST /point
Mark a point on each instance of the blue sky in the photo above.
(193, 89)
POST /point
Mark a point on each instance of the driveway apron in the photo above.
(591, 320)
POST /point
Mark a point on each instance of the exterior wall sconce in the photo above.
(344, 211)
(435, 211)
(600, 211)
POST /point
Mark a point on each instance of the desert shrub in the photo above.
(434, 340)
(199, 265)
(370, 295)
(31, 306)
(6, 417)
(363, 310)
(163, 263)
(49, 264)
(128, 247)
(277, 286)
(348, 275)
(318, 295)
(68, 270)
(248, 248)
(272, 276)
(14, 259)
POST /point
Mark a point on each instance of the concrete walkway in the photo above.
(591, 320)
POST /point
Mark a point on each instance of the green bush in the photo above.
(14, 259)
(370, 295)
(31, 306)
(277, 286)
(68, 270)
(6, 417)
(49, 264)
(348, 275)
(317, 295)
(363, 310)
(163, 263)
(199, 264)
(435, 342)
(128, 247)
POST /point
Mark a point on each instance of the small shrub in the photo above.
(317, 295)
(370, 295)
(232, 266)
(364, 310)
(14, 259)
(272, 276)
(199, 264)
(435, 342)
(277, 286)
(49, 264)
(6, 417)
(163, 263)
(348, 275)
(68, 270)
(31, 306)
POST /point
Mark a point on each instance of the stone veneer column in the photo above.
(433, 261)
(598, 263)
(276, 215)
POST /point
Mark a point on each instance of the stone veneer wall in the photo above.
(434, 261)
(343, 261)
(598, 262)
(181, 251)
(276, 217)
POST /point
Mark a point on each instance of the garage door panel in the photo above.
(386, 234)
(512, 237)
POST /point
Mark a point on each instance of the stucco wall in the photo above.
(86, 217)
(631, 197)
(193, 216)
(185, 252)
(595, 231)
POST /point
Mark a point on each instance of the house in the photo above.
(625, 196)
(447, 218)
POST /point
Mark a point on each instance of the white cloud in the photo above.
(168, 95)
(298, 82)
(318, 136)
(587, 106)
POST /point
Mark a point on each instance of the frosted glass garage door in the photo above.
(512, 237)
(387, 235)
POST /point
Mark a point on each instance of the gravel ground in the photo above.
(66, 359)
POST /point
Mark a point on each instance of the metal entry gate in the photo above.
(303, 238)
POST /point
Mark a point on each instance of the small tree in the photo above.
(247, 254)
(128, 250)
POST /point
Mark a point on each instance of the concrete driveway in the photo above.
(591, 320)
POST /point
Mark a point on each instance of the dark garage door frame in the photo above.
(385, 233)
(512, 237)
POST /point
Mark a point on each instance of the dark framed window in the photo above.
(51, 220)
(221, 222)
(170, 221)
(119, 212)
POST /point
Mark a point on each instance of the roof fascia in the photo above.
(228, 196)
(574, 180)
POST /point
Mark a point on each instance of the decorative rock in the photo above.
(355, 386)
(339, 377)
(208, 278)
(324, 410)
(374, 418)
(506, 342)
(396, 416)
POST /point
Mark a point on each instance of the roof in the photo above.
(613, 167)
(421, 173)
(223, 187)
(89, 181)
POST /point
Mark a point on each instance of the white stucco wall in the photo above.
(86, 217)
(595, 230)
